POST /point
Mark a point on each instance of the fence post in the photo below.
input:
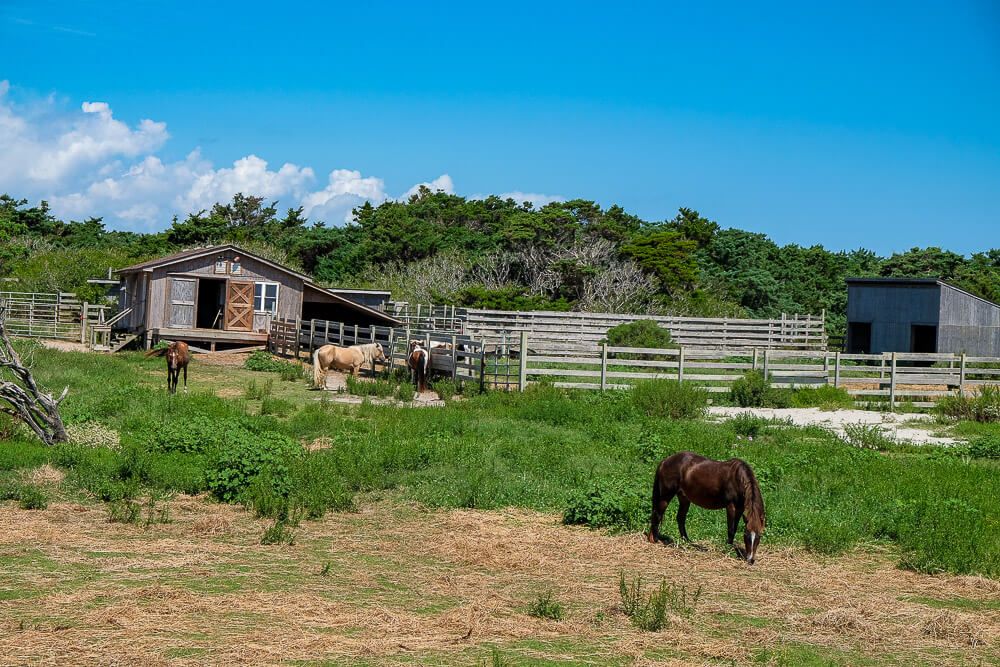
(392, 350)
(754, 367)
(454, 357)
(312, 335)
(482, 366)
(83, 321)
(355, 341)
(680, 365)
(341, 334)
(326, 332)
(298, 337)
(522, 377)
(892, 384)
(766, 355)
(604, 366)
(826, 368)
(836, 369)
(961, 376)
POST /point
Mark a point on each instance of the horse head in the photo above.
(378, 353)
(752, 531)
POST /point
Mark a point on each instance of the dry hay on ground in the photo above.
(394, 582)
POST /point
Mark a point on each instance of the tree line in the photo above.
(495, 253)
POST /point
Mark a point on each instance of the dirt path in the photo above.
(395, 583)
(902, 427)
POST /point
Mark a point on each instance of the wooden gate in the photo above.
(239, 306)
(182, 298)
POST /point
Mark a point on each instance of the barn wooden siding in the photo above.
(289, 293)
(968, 324)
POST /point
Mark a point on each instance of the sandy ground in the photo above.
(395, 583)
(902, 427)
(63, 345)
(337, 382)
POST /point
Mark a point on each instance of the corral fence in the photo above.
(51, 315)
(452, 355)
(573, 330)
(874, 380)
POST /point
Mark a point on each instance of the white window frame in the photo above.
(263, 297)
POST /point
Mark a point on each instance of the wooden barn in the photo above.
(919, 315)
(224, 295)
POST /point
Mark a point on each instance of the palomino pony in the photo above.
(178, 355)
(419, 361)
(713, 485)
(349, 359)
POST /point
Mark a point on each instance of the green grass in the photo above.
(587, 454)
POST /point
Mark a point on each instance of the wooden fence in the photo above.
(452, 355)
(43, 315)
(878, 379)
(562, 330)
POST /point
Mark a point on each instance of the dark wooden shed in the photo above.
(919, 315)
(226, 295)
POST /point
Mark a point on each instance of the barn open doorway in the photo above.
(211, 303)
(923, 338)
(859, 337)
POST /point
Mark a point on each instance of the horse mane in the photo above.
(753, 503)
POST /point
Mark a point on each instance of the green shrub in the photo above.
(256, 391)
(545, 606)
(749, 425)
(264, 361)
(448, 389)
(610, 503)
(984, 406)
(235, 464)
(276, 406)
(31, 497)
(278, 533)
(650, 613)
(641, 333)
(824, 396)
(194, 435)
(750, 391)
(669, 398)
(867, 436)
(986, 447)
(377, 387)
(405, 392)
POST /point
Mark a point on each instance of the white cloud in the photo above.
(88, 163)
(345, 190)
(442, 183)
(535, 198)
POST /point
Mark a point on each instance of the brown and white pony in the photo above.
(178, 356)
(349, 359)
(713, 485)
(419, 361)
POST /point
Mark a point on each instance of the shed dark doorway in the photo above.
(923, 338)
(211, 301)
(859, 337)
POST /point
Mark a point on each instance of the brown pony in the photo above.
(178, 355)
(713, 485)
(419, 361)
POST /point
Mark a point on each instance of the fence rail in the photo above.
(889, 379)
(456, 356)
(557, 330)
(50, 315)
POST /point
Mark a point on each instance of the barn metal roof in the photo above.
(915, 282)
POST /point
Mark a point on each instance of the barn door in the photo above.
(182, 297)
(239, 306)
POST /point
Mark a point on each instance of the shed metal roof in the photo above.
(916, 282)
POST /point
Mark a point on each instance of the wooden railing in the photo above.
(879, 379)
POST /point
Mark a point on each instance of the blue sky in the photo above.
(843, 124)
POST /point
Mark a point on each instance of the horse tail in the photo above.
(159, 352)
(422, 370)
(317, 370)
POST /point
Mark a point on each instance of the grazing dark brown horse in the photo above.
(713, 485)
(178, 355)
(419, 360)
